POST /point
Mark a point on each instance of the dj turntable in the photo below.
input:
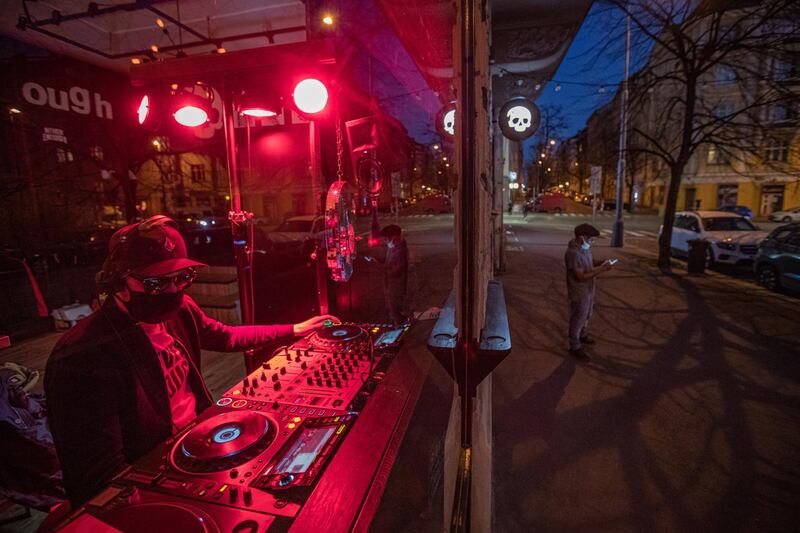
(249, 462)
(341, 336)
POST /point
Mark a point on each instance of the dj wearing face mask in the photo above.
(581, 271)
(128, 376)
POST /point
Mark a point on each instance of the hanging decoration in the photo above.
(518, 119)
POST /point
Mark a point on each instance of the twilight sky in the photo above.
(589, 65)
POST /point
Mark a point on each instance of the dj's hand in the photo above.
(313, 324)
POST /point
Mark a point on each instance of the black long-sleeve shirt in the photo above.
(106, 391)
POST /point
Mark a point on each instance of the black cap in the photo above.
(153, 247)
(586, 230)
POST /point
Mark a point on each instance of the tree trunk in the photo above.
(676, 172)
(665, 240)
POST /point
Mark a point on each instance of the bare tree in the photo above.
(551, 126)
(695, 43)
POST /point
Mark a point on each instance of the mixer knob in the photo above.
(310, 380)
(263, 376)
(255, 383)
(319, 381)
(325, 374)
(297, 359)
(233, 493)
(265, 365)
(338, 383)
(334, 375)
(303, 365)
(316, 373)
(277, 385)
(245, 383)
(248, 497)
(275, 377)
(288, 356)
(328, 383)
(234, 473)
(275, 405)
(330, 360)
(322, 366)
(283, 370)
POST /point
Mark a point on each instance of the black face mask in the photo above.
(154, 308)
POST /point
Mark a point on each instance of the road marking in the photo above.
(634, 233)
(649, 233)
(514, 249)
(605, 231)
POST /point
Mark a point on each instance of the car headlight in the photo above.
(726, 245)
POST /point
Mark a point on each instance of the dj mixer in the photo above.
(249, 462)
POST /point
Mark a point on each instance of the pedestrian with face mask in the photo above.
(581, 272)
(395, 273)
(128, 376)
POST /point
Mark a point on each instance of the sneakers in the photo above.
(579, 354)
(587, 340)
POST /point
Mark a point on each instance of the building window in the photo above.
(723, 111)
(299, 204)
(724, 75)
(777, 150)
(64, 155)
(716, 156)
(96, 153)
(785, 68)
(198, 173)
(781, 112)
(727, 194)
(161, 144)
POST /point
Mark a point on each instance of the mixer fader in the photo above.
(325, 370)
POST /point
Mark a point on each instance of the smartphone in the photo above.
(612, 262)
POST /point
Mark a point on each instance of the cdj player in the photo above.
(249, 462)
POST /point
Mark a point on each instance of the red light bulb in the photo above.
(258, 112)
(144, 109)
(310, 96)
(191, 116)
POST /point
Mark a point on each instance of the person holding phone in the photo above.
(581, 272)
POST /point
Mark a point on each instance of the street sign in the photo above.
(596, 178)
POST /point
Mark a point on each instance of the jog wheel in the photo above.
(161, 518)
(223, 441)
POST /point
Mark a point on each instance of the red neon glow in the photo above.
(310, 96)
(258, 112)
(191, 116)
(144, 109)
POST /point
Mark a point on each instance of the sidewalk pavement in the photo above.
(686, 419)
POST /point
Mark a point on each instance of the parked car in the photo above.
(741, 210)
(296, 236)
(790, 215)
(550, 203)
(734, 239)
(777, 263)
(434, 205)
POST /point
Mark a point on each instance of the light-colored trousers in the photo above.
(579, 313)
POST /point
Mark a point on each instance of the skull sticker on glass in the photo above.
(450, 122)
(518, 119)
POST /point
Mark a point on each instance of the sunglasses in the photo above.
(181, 280)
